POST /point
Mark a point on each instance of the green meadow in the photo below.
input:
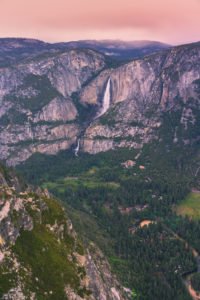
(190, 206)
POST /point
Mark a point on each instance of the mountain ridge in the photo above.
(17, 49)
(72, 84)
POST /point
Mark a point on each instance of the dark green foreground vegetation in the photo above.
(151, 259)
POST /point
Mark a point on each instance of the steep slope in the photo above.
(36, 240)
(37, 113)
(41, 256)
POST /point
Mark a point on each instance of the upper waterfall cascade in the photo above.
(106, 100)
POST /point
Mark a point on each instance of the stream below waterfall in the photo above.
(76, 150)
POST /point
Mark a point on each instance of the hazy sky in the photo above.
(171, 21)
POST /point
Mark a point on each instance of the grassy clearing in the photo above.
(190, 206)
(68, 182)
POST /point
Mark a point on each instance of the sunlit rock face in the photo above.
(142, 93)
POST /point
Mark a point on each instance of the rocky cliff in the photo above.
(143, 93)
(37, 113)
(41, 256)
(50, 101)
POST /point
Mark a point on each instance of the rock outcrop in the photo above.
(102, 282)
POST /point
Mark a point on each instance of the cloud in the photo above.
(172, 20)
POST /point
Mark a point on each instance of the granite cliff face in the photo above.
(37, 113)
(143, 93)
(44, 102)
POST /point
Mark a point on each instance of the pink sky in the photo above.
(171, 21)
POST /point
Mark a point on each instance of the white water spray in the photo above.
(106, 100)
(76, 150)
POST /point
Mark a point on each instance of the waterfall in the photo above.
(105, 106)
(76, 150)
(106, 101)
